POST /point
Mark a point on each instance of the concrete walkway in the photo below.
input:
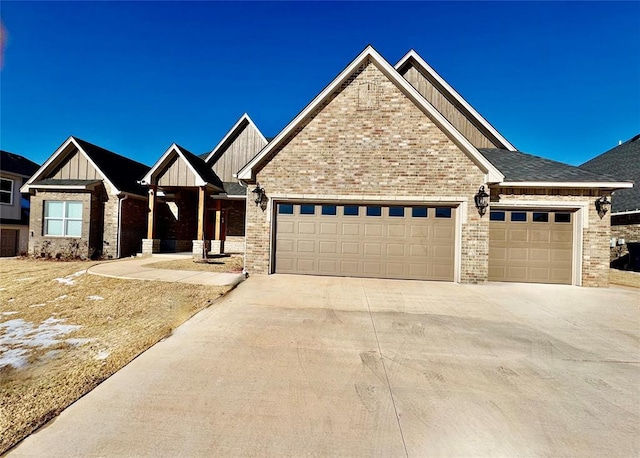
(290, 365)
(136, 269)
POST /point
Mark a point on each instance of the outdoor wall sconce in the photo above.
(482, 201)
(261, 197)
(602, 206)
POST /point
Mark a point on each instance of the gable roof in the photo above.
(413, 58)
(19, 165)
(247, 173)
(522, 169)
(622, 162)
(242, 123)
(203, 173)
(119, 173)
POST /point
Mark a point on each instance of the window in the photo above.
(351, 210)
(443, 212)
(285, 209)
(374, 211)
(496, 216)
(6, 191)
(396, 211)
(307, 209)
(539, 217)
(329, 210)
(63, 218)
(562, 217)
(419, 212)
(518, 216)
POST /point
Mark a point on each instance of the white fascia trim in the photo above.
(565, 184)
(492, 173)
(148, 178)
(239, 124)
(28, 185)
(68, 187)
(628, 212)
(427, 68)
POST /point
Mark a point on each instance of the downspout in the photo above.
(120, 200)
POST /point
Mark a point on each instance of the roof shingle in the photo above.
(14, 163)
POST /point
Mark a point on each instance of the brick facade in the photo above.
(383, 148)
(133, 225)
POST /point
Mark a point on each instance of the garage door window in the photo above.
(307, 209)
(540, 217)
(443, 212)
(374, 211)
(285, 209)
(329, 210)
(396, 211)
(562, 217)
(497, 216)
(518, 216)
(419, 212)
(351, 210)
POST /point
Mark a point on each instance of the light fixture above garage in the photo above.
(482, 201)
(602, 206)
(261, 197)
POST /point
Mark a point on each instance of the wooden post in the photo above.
(151, 226)
(218, 231)
(201, 215)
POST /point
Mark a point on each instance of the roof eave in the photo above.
(565, 184)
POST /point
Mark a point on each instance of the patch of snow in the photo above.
(9, 313)
(95, 298)
(68, 280)
(37, 305)
(59, 298)
(11, 300)
(19, 338)
(24, 279)
(102, 354)
(2, 289)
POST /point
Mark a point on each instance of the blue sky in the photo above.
(559, 80)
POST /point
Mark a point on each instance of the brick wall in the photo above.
(595, 234)
(235, 210)
(383, 147)
(625, 227)
(133, 225)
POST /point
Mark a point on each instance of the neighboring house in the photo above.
(195, 202)
(378, 177)
(622, 162)
(14, 211)
(86, 202)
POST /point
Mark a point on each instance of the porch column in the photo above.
(151, 245)
(218, 236)
(201, 246)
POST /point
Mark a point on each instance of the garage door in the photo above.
(531, 246)
(410, 242)
(8, 242)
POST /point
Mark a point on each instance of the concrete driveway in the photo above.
(298, 365)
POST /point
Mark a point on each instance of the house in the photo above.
(195, 202)
(388, 172)
(86, 202)
(14, 211)
(622, 162)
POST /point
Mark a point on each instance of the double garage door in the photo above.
(384, 241)
(533, 246)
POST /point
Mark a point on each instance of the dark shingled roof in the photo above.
(622, 162)
(518, 166)
(123, 172)
(59, 182)
(233, 188)
(14, 163)
(200, 166)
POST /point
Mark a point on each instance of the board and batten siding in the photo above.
(75, 167)
(176, 173)
(240, 149)
(428, 88)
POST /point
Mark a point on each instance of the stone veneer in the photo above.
(386, 148)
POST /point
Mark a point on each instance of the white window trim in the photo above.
(8, 192)
(63, 218)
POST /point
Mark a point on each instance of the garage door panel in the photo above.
(530, 250)
(416, 245)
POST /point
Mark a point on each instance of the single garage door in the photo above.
(8, 242)
(383, 241)
(531, 246)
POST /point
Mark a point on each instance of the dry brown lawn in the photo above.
(61, 338)
(624, 278)
(221, 264)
